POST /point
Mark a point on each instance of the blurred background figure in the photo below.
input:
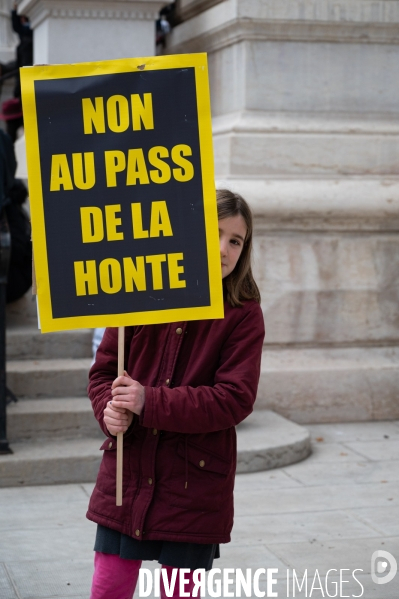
(11, 110)
(24, 51)
(13, 194)
(20, 268)
(11, 113)
(8, 166)
(164, 25)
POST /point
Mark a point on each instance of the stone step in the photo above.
(48, 378)
(265, 440)
(49, 462)
(23, 310)
(331, 384)
(28, 343)
(38, 419)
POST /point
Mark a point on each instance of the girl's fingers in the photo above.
(117, 382)
(115, 407)
(116, 415)
(114, 430)
(122, 381)
(122, 404)
(123, 397)
(115, 422)
(121, 391)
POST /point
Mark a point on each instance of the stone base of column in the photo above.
(343, 384)
(67, 31)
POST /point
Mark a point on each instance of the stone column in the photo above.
(8, 42)
(7, 37)
(67, 31)
(305, 112)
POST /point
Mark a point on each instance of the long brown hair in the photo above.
(240, 284)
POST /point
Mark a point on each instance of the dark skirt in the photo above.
(167, 553)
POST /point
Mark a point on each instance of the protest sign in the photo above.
(121, 183)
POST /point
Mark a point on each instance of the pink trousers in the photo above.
(116, 578)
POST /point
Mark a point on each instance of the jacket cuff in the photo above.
(145, 418)
(131, 428)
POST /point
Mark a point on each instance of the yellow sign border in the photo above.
(28, 77)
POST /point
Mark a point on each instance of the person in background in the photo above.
(20, 269)
(21, 26)
(8, 166)
(164, 25)
(11, 113)
(13, 194)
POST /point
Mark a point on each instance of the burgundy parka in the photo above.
(179, 459)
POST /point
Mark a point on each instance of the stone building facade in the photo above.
(305, 115)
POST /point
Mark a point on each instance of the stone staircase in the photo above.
(51, 429)
(53, 433)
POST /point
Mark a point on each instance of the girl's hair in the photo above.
(240, 284)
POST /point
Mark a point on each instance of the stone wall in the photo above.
(186, 9)
(305, 115)
(7, 37)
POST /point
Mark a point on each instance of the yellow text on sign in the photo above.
(80, 173)
(111, 276)
(137, 170)
(119, 113)
(93, 229)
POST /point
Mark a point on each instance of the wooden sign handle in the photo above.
(119, 437)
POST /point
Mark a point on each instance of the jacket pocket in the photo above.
(106, 480)
(200, 479)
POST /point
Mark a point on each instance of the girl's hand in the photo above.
(116, 419)
(128, 394)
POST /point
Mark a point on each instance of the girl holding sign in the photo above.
(186, 386)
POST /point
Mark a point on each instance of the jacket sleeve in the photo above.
(104, 371)
(16, 22)
(206, 409)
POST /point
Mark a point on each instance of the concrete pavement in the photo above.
(331, 511)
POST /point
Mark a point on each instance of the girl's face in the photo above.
(232, 233)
